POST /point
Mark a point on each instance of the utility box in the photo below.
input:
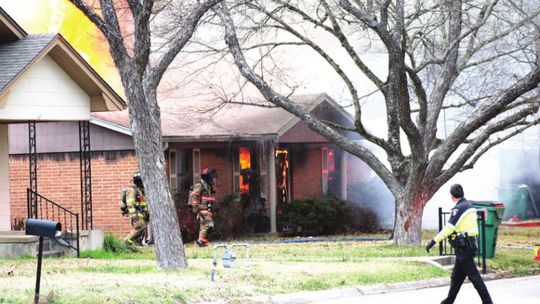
(493, 215)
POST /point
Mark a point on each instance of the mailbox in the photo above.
(43, 228)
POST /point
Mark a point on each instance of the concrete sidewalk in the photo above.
(357, 294)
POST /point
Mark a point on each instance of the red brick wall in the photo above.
(306, 173)
(221, 160)
(59, 181)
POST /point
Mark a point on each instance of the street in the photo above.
(518, 290)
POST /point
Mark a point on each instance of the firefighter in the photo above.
(133, 204)
(202, 200)
(462, 229)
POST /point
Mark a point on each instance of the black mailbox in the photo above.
(43, 228)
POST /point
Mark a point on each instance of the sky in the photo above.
(59, 16)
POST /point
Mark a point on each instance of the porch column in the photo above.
(5, 216)
(85, 156)
(343, 171)
(272, 187)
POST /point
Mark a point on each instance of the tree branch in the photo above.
(491, 129)
(481, 152)
(110, 31)
(284, 102)
(186, 30)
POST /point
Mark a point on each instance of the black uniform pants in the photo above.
(465, 267)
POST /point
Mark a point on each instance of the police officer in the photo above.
(133, 204)
(202, 199)
(462, 229)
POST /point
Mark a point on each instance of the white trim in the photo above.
(111, 126)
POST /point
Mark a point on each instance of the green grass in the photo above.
(103, 277)
(108, 255)
(511, 262)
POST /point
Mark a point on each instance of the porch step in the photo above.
(54, 253)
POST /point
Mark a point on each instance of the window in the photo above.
(328, 170)
(196, 165)
(172, 171)
(242, 170)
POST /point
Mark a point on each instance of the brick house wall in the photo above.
(306, 176)
(59, 181)
(221, 160)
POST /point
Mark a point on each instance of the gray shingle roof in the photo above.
(16, 56)
(181, 120)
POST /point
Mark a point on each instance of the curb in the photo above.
(306, 297)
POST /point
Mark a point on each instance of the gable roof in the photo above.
(181, 123)
(9, 29)
(19, 51)
(18, 56)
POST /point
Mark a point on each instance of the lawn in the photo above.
(101, 277)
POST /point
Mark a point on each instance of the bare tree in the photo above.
(477, 56)
(141, 69)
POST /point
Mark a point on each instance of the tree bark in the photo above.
(408, 218)
(145, 123)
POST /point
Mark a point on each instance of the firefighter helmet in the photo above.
(137, 179)
(209, 174)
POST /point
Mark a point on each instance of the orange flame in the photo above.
(60, 16)
(245, 163)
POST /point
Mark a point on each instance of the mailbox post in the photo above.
(43, 228)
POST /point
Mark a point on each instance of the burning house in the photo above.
(266, 155)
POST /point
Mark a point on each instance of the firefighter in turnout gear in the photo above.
(133, 204)
(202, 199)
(462, 229)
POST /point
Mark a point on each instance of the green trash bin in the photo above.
(493, 214)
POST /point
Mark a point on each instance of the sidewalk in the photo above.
(333, 295)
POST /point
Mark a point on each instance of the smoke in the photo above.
(372, 194)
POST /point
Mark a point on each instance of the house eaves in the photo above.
(10, 30)
(318, 100)
(19, 56)
(111, 126)
(221, 138)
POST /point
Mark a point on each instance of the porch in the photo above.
(43, 79)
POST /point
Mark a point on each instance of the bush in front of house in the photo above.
(314, 216)
(325, 216)
(113, 244)
(230, 218)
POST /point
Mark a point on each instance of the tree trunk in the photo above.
(146, 131)
(408, 220)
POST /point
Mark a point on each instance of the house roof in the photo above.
(9, 29)
(183, 121)
(20, 51)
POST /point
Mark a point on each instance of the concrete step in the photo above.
(53, 253)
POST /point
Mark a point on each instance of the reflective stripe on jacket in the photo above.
(201, 195)
(462, 219)
(136, 202)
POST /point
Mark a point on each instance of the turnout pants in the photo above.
(137, 233)
(205, 222)
(465, 267)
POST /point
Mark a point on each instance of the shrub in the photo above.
(187, 219)
(116, 245)
(315, 216)
(229, 220)
(324, 216)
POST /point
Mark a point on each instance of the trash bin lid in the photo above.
(486, 203)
